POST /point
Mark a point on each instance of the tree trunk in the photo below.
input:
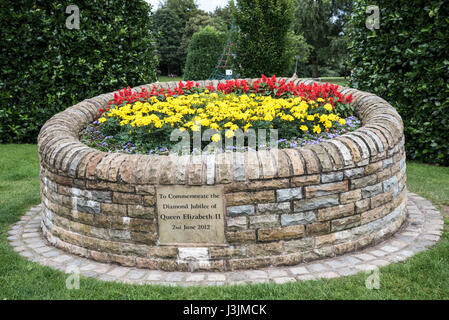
(315, 67)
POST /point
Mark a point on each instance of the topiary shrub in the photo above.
(406, 62)
(203, 53)
(46, 67)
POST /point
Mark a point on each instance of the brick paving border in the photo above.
(423, 229)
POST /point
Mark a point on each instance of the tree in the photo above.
(46, 67)
(173, 22)
(406, 63)
(204, 51)
(322, 22)
(262, 46)
(168, 30)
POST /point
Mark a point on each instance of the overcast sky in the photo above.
(206, 5)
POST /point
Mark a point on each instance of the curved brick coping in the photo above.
(282, 208)
(422, 230)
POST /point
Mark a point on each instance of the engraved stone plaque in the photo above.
(190, 215)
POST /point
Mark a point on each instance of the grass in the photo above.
(422, 277)
(168, 79)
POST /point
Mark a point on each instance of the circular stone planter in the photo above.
(278, 208)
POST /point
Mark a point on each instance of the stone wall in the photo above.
(318, 201)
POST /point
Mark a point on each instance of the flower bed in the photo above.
(316, 201)
(142, 122)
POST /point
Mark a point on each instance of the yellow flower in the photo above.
(342, 121)
(304, 128)
(216, 137)
(101, 120)
(310, 118)
(196, 128)
(317, 129)
(229, 134)
(328, 107)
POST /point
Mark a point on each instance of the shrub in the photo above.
(46, 67)
(203, 53)
(263, 43)
(406, 62)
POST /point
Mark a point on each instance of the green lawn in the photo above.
(168, 79)
(421, 277)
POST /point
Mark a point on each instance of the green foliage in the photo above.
(406, 62)
(168, 29)
(204, 51)
(45, 67)
(262, 46)
(322, 22)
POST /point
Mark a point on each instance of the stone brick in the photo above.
(237, 223)
(241, 236)
(332, 177)
(283, 165)
(281, 233)
(288, 259)
(344, 151)
(273, 208)
(263, 221)
(305, 180)
(363, 182)
(375, 214)
(126, 198)
(149, 201)
(354, 173)
(296, 161)
(315, 203)
(391, 184)
(143, 237)
(344, 247)
(267, 184)
(373, 167)
(144, 225)
(300, 245)
(326, 189)
(163, 252)
(323, 158)
(244, 264)
(220, 253)
(382, 198)
(345, 223)
(335, 212)
(266, 249)
(144, 263)
(283, 195)
(245, 198)
(311, 162)
(318, 228)
(146, 189)
(298, 218)
(362, 205)
(350, 196)
(170, 266)
(240, 210)
(325, 240)
(138, 211)
(371, 191)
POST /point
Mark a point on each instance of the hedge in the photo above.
(406, 62)
(46, 67)
(203, 53)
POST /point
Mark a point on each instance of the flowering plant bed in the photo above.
(142, 122)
